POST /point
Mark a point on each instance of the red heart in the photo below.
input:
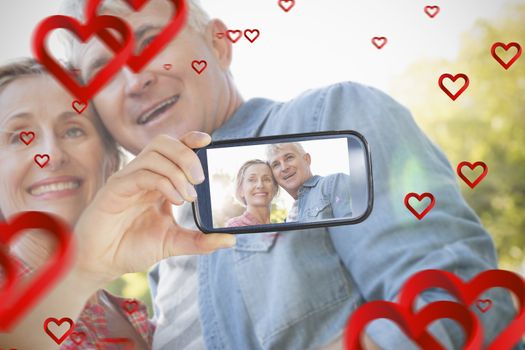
(199, 66)
(414, 324)
(484, 305)
(251, 34)
(432, 11)
(420, 197)
(472, 167)
(379, 41)
(98, 26)
(453, 78)
(15, 305)
(234, 35)
(137, 62)
(39, 159)
(78, 106)
(78, 337)
(506, 48)
(468, 292)
(27, 137)
(167, 66)
(286, 5)
(58, 323)
(129, 345)
(130, 306)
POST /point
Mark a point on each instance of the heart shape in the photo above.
(286, 5)
(453, 78)
(199, 66)
(431, 11)
(15, 305)
(78, 106)
(484, 305)
(98, 25)
(138, 62)
(41, 159)
(77, 337)
(251, 34)
(234, 35)
(26, 137)
(379, 41)
(420, 197)
(66, 334)
(481, 176)
(414, 324)
(130, 306)
(167, 66)
(506, 47)
(128, 343)
(467, 293)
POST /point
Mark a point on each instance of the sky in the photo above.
(315, 44)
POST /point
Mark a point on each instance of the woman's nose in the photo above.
(58, 155)
(138, 83)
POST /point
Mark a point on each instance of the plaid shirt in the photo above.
(104, 320)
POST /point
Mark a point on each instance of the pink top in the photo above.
(246, 219)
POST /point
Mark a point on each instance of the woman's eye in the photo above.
(74, 132)
(147, 41)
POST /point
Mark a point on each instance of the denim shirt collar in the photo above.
(311, 182)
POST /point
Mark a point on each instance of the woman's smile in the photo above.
(58, 187)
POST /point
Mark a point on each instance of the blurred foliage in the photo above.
(134, 286)
(486, 123)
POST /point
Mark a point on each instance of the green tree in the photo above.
(486, 123)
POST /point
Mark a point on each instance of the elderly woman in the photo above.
(57, 161)
(256, 188)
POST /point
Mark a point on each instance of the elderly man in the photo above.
(297, 291)
(316, 197)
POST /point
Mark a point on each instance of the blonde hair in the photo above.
(240, 178)
(198, 19)
(275, 147)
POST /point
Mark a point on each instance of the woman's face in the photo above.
(78, 165)
(258, 188)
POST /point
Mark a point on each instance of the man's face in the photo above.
(137, 107)
(290, 168)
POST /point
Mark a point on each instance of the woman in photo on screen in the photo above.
(255, 189)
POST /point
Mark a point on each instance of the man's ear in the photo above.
(219, 43)
(308, 158)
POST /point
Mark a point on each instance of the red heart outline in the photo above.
(26, 133)
(237, 32)
(14, 306)
(59, 322)
(84, 32)
(167, 66)
(472, 167)
(419, 197)
(429, 10)
(130, 306)
(77, 337)
(82, 108)
(38, 157)
(467, 293)
(137, 62)
(246, 31)
(484, 301)
(286, 8)
(196, 63)
(506, 48)
(375, 40)
(453, 78)
(414, 324)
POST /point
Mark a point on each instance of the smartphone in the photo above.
(284, 182)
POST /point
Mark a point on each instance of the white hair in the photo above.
(198, 19)
(273, 148)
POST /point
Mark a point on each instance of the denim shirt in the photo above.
(324, 198)
(297, 289)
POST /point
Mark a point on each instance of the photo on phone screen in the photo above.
(284, 182)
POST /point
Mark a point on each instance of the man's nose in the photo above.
(58, 155)
(138, 83)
